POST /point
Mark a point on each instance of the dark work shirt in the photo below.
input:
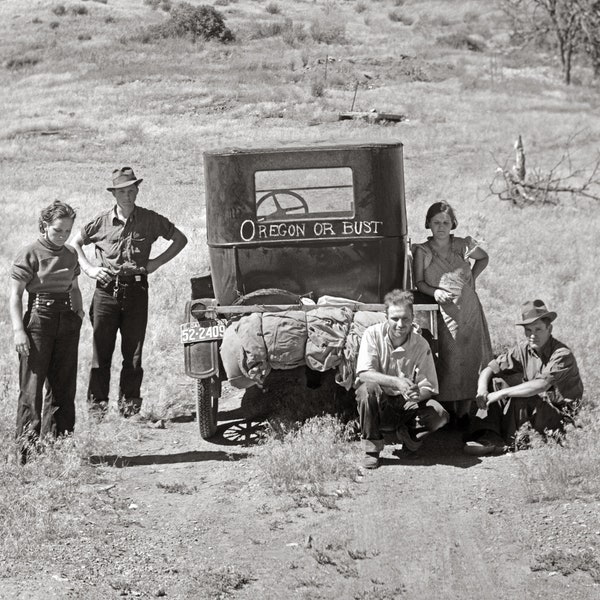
(555, 364)
(45, 267)
(124, 248)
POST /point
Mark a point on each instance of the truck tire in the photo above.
(206, 409)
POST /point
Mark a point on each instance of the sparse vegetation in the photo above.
(328, 30)
(273, 8)
(192, 22)
(461, 40)
(59, 10)
(567, 469)
(308, 458)
(21, 62)
(398, 16)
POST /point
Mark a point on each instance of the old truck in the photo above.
(284, 223)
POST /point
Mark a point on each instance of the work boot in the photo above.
(129, 407)
(97, 410)
(371, 460)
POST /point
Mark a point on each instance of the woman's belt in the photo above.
(50, 301)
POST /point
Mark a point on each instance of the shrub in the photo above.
(196, 22)
(290, 32)
(307, 458)
(273, 8)
(360, 6)
(84, 37)
(328, 31)
(465, 41)
(54, 24)
(79, 10)
(21, 62)
(398, 17)
(109, 19)
(59, 10)
(317, 88)
(156, 4)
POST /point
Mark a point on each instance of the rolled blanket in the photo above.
(327, 331)
(285, 338)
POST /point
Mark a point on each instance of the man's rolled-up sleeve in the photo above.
(507, 363)
(368, 358)
(560, 366)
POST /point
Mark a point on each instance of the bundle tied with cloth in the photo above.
(322, 338)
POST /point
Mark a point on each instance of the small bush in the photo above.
(328, 31)
(21, 62)
(156, 4)
(307, 458)
(109, 19)
(84, 37)
(399, 2)
(59, 10)
(80, 10)
(54, 24)
(290, 32)
(462, 41)
(360, 6)
(398, 17)
(317, 88)
(36, 21)
(196, 22)
(273, 8)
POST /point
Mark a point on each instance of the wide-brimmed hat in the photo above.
(122, 178)
(532, 310)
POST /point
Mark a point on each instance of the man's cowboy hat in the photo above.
(122, 178)
(532, 310)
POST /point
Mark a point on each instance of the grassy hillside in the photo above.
(84, 90)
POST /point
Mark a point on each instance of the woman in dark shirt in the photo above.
(47, 336)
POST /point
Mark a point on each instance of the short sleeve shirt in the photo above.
(413, 359)
(124, 247)
(44, 267)
(555, 364)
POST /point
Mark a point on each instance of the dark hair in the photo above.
(56, 210)
(436, 209)
(399, 298)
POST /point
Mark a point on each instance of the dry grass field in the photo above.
(85, 90)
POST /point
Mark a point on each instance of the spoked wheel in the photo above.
(207, 407)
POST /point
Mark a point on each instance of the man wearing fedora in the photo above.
(122, 236)
(541, 386)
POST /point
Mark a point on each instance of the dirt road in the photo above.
(181, 518)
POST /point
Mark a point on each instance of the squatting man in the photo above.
(397, 380)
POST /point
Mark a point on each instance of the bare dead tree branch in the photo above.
(521, 188)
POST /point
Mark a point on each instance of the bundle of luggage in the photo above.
(322, 338)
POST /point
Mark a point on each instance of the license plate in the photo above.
(195, 332)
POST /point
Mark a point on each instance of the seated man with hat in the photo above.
(544, 386)
(123, 236)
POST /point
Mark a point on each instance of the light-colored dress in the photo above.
(463, 338)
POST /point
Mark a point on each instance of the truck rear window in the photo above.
(304, 194)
